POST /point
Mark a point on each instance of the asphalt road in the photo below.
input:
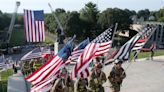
(142, 76)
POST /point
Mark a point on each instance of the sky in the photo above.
(75, 5)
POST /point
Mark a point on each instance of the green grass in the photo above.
(147, 54)
(17, 37)
(4, 77)
(47, 40)
(6, 74)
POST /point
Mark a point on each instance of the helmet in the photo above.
(117, 61)
(98, 65)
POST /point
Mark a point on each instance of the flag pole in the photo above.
(116, 25)
(115, 28)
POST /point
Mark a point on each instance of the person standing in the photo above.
(14, 69)
(152, 51)
(63, 83)
(81, 85)
(116, 76)
(97, 78)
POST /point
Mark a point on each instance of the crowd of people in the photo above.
(93, 83)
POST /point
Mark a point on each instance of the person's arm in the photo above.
(111, 76)
(91, 81)
(123, 76)
(103, 79)
(54, 87)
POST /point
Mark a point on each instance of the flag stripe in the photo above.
(43, 68)
(47, 73)
(100, 45)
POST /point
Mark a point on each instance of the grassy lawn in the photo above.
(47, 40)
(17, 37)
(4, 77)
(147, 54)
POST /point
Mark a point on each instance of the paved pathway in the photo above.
(16, 83)
(142, 76)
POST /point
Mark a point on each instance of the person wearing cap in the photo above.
(63, 83)
(116, 76)
(97, 78)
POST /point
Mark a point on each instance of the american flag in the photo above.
(145, 37)
(78, 50)
(44, 86)
(34, 25)
(46, 51)
(124, 52)
(35, 53)
(100, 45)
(52, 67)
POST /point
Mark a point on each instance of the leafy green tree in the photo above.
(115, 15)
(50, 22)
(73, 25)
(144, 13)
(88, 16)
(160, 15)
(4, 20)
(19, 19)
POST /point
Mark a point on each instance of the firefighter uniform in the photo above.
(116, 76)
(97, 78)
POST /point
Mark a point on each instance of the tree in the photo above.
(115, 15)
(73, 25)
(144, 13)
(88, 16)
(50, 22)
(19, 19)
(4, 20)
(160, 15)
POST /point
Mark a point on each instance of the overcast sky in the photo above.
(71, 5)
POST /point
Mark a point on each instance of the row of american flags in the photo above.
(83, 54)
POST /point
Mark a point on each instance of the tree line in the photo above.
(89, 20)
